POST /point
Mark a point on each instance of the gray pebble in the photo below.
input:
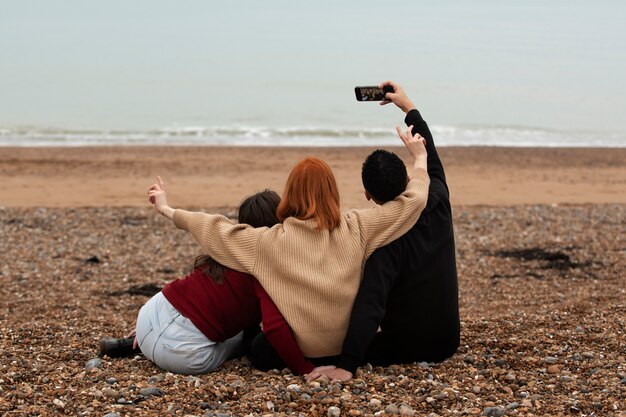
(469, 359)
(623, 380)
(112, 415)
(512, 406)
(500, 362)
(392, 409)
(550, 359)
(305, 397)
(152, 391)
(334, 412)
(493, 412)
(294, 387)
(93, 363)
(121, 400)
(580, 329)
(204, 405)
(237, 384)
(405, 410)
(423, 365)
(111, 381)
(156, 378)
(110, 392)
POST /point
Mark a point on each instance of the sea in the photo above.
(304, 136)
(282, 73)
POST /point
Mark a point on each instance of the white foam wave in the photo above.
(303, 136)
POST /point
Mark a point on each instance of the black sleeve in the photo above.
(435, 168)
(380, 273)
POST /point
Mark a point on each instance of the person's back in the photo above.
(422, 306)
(220, 310)
(409, 287)
(409, 284)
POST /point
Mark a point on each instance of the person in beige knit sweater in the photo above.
(311, 263)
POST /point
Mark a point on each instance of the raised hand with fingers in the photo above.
(416, 145)
(158, 186)
(156, 196)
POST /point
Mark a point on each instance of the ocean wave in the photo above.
(303, 136)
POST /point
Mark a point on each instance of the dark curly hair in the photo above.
(384, 175)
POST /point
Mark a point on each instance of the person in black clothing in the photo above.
(409, 287)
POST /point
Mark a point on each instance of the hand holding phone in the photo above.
(398, 97)
(372, 93)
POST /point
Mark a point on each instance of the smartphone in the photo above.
(372, 93)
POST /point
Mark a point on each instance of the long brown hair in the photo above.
(311, 193)
(257, 210)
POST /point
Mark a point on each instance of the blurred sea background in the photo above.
(282, 73)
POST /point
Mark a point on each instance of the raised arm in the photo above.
(385, 223)
(414, 118)
(232, 245)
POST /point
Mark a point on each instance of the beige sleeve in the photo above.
(233, 245)
(383, 224)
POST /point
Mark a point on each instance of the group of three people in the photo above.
(333, 290)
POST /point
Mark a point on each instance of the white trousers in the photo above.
(175, 344)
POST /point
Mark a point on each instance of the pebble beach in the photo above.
(542, 292)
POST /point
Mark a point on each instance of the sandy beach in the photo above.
(214, 177)
(542, 278)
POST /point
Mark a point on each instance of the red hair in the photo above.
(311, 193)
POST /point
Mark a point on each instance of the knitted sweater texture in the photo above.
(312, 275)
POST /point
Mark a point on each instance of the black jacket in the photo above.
(409, 287)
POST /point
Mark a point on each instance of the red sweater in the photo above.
(220, 311)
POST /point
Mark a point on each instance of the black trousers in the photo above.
(389, 349)
(386, 349)
(264, 357)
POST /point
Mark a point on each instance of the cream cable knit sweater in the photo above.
(312, 275)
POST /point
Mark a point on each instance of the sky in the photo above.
(150, 64)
